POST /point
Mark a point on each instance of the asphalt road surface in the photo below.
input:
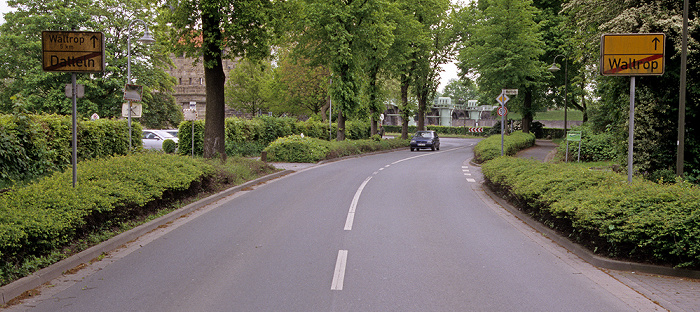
(399, 231)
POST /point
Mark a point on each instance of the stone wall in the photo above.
(190, 86)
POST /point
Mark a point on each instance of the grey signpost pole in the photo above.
(630, 144)
(74, 162)
(620, 56)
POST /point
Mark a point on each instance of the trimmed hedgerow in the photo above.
(296, 148)
(32, 146)
(490, 147)
(643, 221)
(43, 216)
(247, 137)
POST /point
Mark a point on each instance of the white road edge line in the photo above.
(353, 205)
(339, 273)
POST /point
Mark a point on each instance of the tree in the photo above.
(337, 34)
(656, 96)
(250, 86)
(43, 92)
(504, 52)
(434, 46)
(303, 88)
(460, 90)
(216, 29)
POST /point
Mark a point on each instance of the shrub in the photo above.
(645, 221)
(297, 149)
(32, 146)
(36, 219)
(169, 146)
(594, 147)
(490, 147)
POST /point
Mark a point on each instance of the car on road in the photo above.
(425, 139)
(153, 139)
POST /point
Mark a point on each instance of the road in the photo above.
(399, 231)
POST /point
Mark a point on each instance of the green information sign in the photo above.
(573, 136)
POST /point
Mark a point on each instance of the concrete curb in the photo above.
(17, 288)
(587, 255)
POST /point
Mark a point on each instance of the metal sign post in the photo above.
(73, 51)
(502, 111)
(632, 55)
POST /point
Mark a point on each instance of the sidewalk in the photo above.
(677, 294)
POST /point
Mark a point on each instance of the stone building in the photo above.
(190, 87)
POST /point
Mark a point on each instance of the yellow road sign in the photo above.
(632, 54)
(73, 51)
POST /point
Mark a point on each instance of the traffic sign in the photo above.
(133, 92)
(502, 99)
(573, 136)
(632, 54)
(502, 111)
(510, 91)
(73, 51)
(136, 110)
(473, 129)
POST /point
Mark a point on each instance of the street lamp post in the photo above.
(147, 39)
(554, 69)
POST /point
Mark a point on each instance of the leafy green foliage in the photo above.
(490, 147)
(169, 146)
(247, 137)
(38, 218)
(594, 146)
(645, 221)
(504, 49)
(43, 92)
(296, 148)
(37, 145)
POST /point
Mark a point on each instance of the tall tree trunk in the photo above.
(405, 82)
(422, 110)
(527, 111)
(340, 134)
(214, 77)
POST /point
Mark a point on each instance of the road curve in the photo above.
(399, 231)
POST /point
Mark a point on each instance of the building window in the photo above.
(190, 80)
(180, 81)
(201, 81)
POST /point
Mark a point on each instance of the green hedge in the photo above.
(644, 221)
(490, 147)
(248, 137)
(309, 150)
(36, 219)
(32, 146)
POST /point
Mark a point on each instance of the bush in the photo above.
(490, 147)
(644, 221)
(36, 219)
(297, 149)
(248, 137)
(594, 147)
(169, 146)
(32, 146)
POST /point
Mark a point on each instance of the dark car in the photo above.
(425, 139)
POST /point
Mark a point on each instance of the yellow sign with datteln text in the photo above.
(73, 51)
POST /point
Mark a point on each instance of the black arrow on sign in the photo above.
(95, 39)
(656, 42)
